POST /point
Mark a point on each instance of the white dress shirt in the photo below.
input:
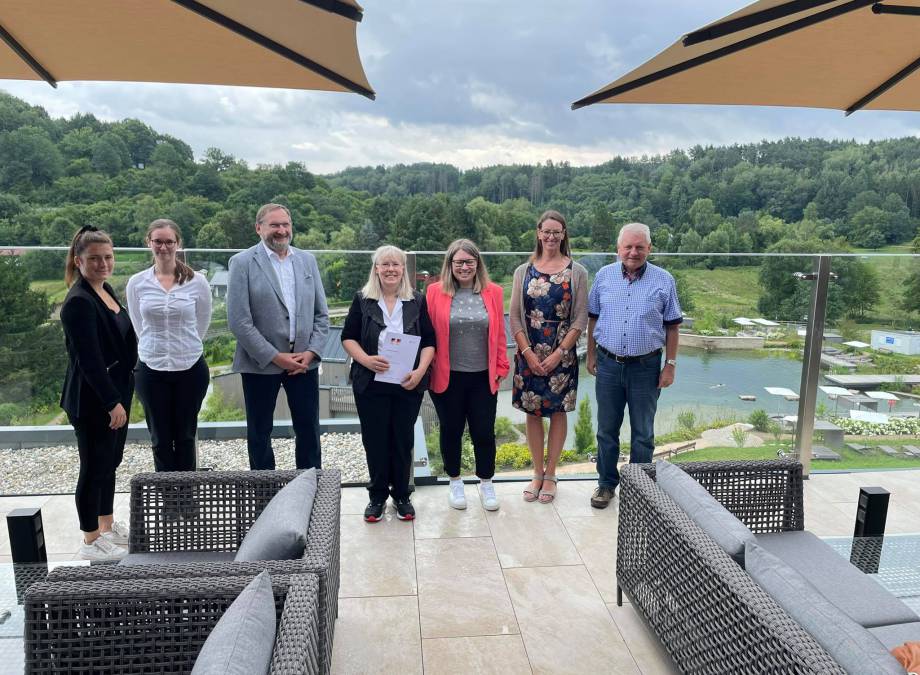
(169, 324)
(393, 321)
(284, 270)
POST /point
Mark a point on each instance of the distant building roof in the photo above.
(220, 278)
(333, 351)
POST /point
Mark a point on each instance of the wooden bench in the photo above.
(686, 447)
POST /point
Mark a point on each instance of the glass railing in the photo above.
(736, 393)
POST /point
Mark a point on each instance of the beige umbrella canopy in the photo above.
(296, 44)
(841, 54)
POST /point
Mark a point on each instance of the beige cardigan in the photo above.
(579, 316)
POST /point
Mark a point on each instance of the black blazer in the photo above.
(364, 324)
(100, 374)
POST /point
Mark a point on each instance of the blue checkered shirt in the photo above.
(631, 314)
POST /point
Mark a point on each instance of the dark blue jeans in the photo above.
(260, 392)
(619, 385)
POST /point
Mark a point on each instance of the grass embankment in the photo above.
(724, 290)
(849, 459)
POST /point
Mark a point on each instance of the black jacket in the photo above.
(364, 324)
(100, 374)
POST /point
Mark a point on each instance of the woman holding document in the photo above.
(467, 312)
(389, 336)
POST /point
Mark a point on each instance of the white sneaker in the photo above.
(487, 496)
(119, 533)
(101, 549)
(455, 496)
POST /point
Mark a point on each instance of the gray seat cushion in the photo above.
(167, 557)
(851, 645)
(857, 594)
(243, 640)
(280, 531)
(713, 518)
(898, 634)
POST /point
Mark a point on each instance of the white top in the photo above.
(169, 324)
(284, 269)
(882, 395)
(393, 321)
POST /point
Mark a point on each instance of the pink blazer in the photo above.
(439, 310)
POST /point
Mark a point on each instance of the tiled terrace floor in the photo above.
(527, 589)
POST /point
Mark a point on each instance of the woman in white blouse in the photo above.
(170, 307)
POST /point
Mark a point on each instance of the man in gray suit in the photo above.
(277, 310)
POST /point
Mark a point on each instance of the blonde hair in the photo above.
(448, 282)
(182, 272)
(84, 237)
(564, 242)
(372, 289)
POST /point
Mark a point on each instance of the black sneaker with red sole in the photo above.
(373, 512)
(404, 509)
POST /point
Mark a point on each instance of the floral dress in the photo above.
(547, 309)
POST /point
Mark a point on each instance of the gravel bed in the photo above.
(53, 470)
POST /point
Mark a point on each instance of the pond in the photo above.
(709, 384)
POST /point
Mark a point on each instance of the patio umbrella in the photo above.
(841, 54)
(296, 44)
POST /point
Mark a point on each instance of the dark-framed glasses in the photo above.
(469, 262)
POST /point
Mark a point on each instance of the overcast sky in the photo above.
(471, 83)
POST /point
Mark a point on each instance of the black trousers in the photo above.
(172, 400)
(388, 413)
(260, 393)
(468, 399)
(101, 450)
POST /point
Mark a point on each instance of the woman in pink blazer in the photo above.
(468, 315)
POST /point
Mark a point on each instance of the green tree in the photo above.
(584, 429)
(212, 235)
(910, 297)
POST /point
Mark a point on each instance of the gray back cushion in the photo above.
(850, 645)
(280, 531)
(243, 640)
(713, 518)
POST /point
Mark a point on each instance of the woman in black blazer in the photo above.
(98, 387)
(387, 410)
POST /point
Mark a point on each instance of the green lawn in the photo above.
(849, 459)
(725, 290)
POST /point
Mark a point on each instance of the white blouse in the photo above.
(393, 321)
(169, 324)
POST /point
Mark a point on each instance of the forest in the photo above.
(785, 196)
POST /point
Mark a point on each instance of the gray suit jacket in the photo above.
(258, 317)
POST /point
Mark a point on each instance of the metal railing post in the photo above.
(811, 366)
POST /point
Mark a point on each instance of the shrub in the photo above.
(739, 436)
(504, 430)
(686, 419)
(512, 455)
(9, 412)
(570, 456)
(584, 429)
(760, 420)
(216, 409)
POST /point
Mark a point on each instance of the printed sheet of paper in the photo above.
(400, 350)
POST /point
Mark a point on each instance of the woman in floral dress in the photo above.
(548, 313)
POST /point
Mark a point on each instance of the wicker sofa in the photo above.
(709, 614)
(157, 626)
(221, 506)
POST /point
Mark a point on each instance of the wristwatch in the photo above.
(671, 362)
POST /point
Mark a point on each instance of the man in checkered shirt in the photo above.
(633, 315)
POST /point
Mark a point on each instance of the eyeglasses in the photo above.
(469, 262)
(389, 265)
(164, 242)
(553, 234)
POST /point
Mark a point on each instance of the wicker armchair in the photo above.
(707, 612)
(220, 507)
(157, 626)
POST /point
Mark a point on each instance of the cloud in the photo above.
(471, 85)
